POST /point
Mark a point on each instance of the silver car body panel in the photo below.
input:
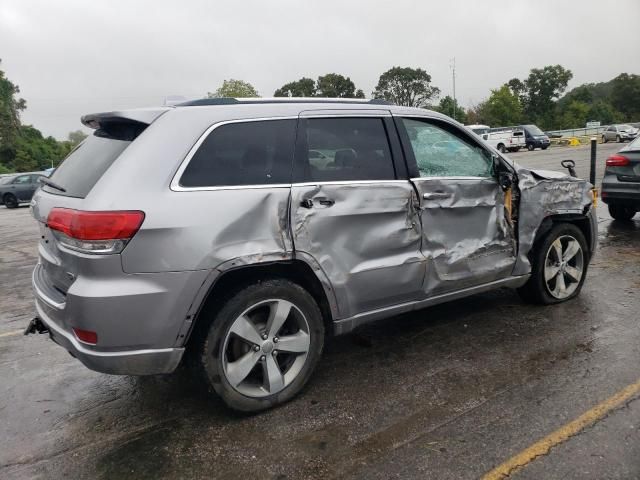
(380, 249)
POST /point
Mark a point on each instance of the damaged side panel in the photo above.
(468, 237)
(366, 239)
(247, 226)
(543, 194)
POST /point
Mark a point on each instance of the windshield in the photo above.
(624, 128)
(534, 130)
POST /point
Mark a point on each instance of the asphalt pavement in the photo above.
(450, 392)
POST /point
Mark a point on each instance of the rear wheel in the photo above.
(559, 266)
(621, 213)
(262, 346)
(618, 139)
(502, 148)
(604, 139)
(530, 147)
(10, 200)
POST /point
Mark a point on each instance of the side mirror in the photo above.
(505, 179)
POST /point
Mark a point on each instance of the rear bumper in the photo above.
(129, 362)
(620, 193)
(138, 318)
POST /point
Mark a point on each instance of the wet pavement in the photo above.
(449, 392)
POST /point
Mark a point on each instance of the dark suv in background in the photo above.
(18, 188)
(535, 138)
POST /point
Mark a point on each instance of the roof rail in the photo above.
(236, 101)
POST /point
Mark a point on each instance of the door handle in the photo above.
(436, 195)
(306, 203)
(325, 202)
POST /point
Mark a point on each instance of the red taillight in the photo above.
(86, 336)
(617, 161)
(83, 225)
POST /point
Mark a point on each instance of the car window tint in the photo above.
(22, 179)
(85, 165)
(245, 153)
(441, 153)
(339, 149)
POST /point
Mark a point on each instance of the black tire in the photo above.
(536, 289)
(622, 213)
(10, 200)
(530, 147)
(604, 139)
(618, 139)
(207, 356)
(502, 148)
(545, 147)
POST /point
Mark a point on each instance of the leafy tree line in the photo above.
(22, 147)
(539, 98)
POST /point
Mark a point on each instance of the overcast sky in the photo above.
(74, 57)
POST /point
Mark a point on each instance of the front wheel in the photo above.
(604, 139)
(262, 346)
(10, 200)
(618, 139)
(558, 266)
(502, 148)
(621, 213)
(545, 147)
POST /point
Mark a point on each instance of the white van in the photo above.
(503, 139)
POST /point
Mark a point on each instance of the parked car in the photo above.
(503, 139)
(619, 133)
(621, 182)
(18, 188)
(535, 138)
(239, 248)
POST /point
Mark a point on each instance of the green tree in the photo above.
(406, 86)
(625, 96)
(234, 89)
(604, 112)
(502, 108)
(576, 114)
(10, 108)
(334, 85)
(450, 107)
(76, 137)
(542, 88)
(305, 87)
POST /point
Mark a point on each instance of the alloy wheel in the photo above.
(563, 267)
(265, 348)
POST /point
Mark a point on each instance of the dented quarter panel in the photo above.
(543, 194)
(246, 225)
(468, 238)
(367, 243)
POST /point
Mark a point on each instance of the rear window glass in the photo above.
(244, 153)
(339, 149)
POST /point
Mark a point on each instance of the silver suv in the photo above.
(239, 233)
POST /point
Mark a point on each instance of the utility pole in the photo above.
(452, 65)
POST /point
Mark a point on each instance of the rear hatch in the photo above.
(70, 188)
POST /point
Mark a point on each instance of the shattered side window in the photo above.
(440, 153)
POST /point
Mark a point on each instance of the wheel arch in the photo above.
(233, 275)
(579, 220)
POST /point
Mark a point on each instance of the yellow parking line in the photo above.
(543, 446)
(10, 334)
